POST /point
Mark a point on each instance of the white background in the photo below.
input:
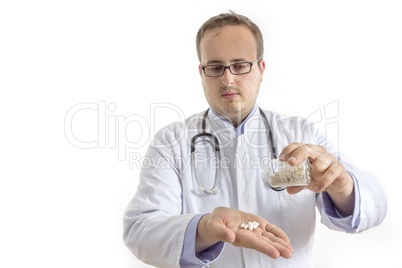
(62, 206)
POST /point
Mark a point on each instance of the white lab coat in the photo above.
(167, 199)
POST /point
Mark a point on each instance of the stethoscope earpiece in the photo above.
(216, 191)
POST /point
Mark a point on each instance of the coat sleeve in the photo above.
(371, 204)
(154, 227)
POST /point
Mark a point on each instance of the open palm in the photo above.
(267, 238)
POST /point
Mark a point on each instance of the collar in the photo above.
(240, 129)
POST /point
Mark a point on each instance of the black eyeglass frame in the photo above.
(228, 67)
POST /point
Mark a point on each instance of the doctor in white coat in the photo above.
(187, 212)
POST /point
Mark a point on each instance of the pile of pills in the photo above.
(283, 174)
(250, 225)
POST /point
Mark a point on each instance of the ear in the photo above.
(262, 68)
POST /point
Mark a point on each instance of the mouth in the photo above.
(230, 95)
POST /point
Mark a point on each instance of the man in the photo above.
(175, 221)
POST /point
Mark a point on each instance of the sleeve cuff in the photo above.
(188, 257)
(349, 223)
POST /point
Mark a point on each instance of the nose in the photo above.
(227, 78)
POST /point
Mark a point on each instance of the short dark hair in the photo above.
(231, 18)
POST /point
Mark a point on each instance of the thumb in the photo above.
(230, 236)
(294, 189)
(223, 233)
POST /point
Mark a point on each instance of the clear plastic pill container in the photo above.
(281, 174)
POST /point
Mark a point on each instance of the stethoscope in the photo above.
(212, 139)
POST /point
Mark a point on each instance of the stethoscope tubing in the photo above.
(215, 189)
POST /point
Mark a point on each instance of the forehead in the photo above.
(227, 43)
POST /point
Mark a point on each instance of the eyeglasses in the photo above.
(237, 68)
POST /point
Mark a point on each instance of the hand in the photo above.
(327, 173)
(224, 225)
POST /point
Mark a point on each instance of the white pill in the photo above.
(242, 225)
(281, 176)
(300, 168)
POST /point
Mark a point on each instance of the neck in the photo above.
(237, 117)
(234, 117)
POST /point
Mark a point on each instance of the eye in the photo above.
(215, 68)
(240, 66)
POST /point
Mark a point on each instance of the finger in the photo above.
(323, 162)
(330, 175)
(319, 168)
(288, 150)
(271, 228)
(320, 165)
(310, 151)
(295, 189)
(297, 152)
(283, 247)
(274, 249)
(250, 240)
(284, 251)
